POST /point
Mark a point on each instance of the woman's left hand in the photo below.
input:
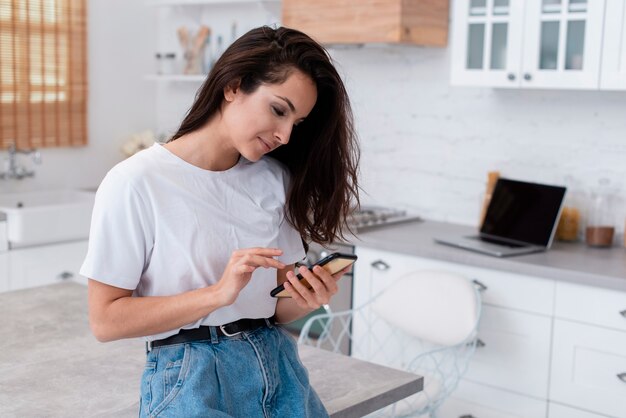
(324, 286)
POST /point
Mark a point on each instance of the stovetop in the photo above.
(368, 217)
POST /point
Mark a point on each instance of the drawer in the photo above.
(501, 288)
(516, 352)
(586, 364)
(592, 305)
(46, 264)
(479, 401)
(560, 411)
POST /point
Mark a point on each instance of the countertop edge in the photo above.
(417, 239)
(370, 405)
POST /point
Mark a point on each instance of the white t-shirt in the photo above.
(161, 226)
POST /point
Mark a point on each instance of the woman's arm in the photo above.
(115, 314)
(303, 300)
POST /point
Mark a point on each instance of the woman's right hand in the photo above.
(240, 267)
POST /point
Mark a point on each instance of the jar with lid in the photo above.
(569, 228)
(600, 229)
(166, 63)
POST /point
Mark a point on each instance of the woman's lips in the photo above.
(265, 144)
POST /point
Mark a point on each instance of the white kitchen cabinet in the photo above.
(556, 410)
(514, 353)
(487, 42)
(603, 307)
(589, 349)
(515, 330)
(527, 44)
(614, 49)
(45, 264)
(589, 368)
(500, 288)
(472, 400)
(548, 348)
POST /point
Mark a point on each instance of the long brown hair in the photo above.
(323, 153)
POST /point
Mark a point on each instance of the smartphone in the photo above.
(333, 263)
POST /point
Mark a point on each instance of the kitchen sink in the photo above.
(46, 216)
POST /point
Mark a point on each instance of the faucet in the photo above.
(12, 169)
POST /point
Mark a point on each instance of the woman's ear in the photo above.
(231, 90)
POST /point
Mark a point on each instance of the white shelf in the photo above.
(176, 77)
(203, 2)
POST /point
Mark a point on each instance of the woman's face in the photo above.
(260, 122)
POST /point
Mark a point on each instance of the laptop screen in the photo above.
(523, 212)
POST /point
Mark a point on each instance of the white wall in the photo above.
(428, 146)
(120, 48)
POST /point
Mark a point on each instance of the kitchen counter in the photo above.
(51, 365)
(570, 262)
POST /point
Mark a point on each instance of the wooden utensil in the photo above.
(492, 178)
(193, 49)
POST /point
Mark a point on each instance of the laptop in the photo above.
(521, 218)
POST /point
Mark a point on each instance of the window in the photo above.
(43, 73)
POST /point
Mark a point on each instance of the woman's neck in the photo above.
(207, 148)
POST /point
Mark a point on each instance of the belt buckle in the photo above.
(227, 333)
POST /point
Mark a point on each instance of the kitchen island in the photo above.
(52, 366)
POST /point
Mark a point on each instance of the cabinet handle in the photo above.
(380, 265)
(511, 76)
(467, 416)
(622, 377)
(623, 313)
(481, 287)
(528, 77)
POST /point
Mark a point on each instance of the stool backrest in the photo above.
(435, 306)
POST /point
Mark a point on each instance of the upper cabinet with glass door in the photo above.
(614, 49)
(563, 43)
(528, 43)
(486, 43)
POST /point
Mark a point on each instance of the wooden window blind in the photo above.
(43, 73)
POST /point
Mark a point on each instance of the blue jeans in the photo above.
(254, 374)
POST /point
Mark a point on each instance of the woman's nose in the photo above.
(282, 134)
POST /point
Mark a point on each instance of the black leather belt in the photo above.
(204, 332)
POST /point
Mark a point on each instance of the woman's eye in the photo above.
(277, 111)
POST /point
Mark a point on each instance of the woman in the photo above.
(189, 238)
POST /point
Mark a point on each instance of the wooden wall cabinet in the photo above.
(420, 22)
